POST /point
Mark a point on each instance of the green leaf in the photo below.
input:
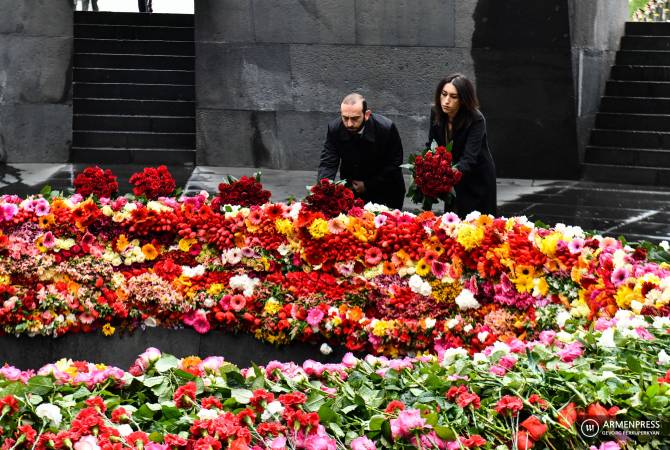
(40, 385)
(376, 422)
(336, 429)
(35, 399)
(166, 362)
(144, 412)
(386, 431)
(633, 364)
(171, 412)
(153, 381)
(45, 191)
(652, 390)
(184, 375)
(326, 414)
(242, 396)
(156, 437)
(348, 409)
(444, 433)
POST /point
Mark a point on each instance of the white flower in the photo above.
(451, 354)
(284, 249)
(451, 323)
(564, 337)
(375, 207)
(47, 411)
(191, 272)
(466, 300)
(663, 358)
(272, 408)
(90, 442)
(430, 323)
(151, 322)
(479, 358)
(124, 429)
(664, 245)
(294, 210)
(244, 283)
(325, 349)
(207, 414)
(467, 328)
(482, 335)
(606, 339)
(500, 347)
(661, 323)
(562, 317)
(474, 215)
(417, 285)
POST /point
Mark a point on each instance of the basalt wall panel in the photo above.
(35, 81)
(280, 68)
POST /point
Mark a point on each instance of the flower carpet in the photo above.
(480, 333)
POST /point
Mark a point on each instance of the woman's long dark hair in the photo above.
(469, 103)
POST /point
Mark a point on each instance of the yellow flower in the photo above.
(549, 243)
(318, 228)
(624, 296)
(39, 243)
(359, 230)
(185, 244)
(5, 279)
(284, 226)
(379, 328)
(215, 289)
(445, 292)
(46, 221)
(108, 329)
(122, 243)
(272, 306)
(149, 252)
(524, 278)
(542, 286)
(422, 268)
(470, 236)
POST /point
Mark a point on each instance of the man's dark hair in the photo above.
(467, 95)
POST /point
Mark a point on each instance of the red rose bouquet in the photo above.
(95, 181)
(153, 182)
(433, 175)
(247, 191)
(330, 198)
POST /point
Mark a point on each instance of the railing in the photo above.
(653, 11)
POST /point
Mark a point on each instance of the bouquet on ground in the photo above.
(433, 176)
(330, 198)
(246, 191)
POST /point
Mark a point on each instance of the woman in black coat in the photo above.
(456, 117)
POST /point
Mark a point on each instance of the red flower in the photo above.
(509, 403)
(261, 397)
(153, 182)
(395, 405)
(184, 396)
(8, 404)
(330, 198)
(536, 399)
(172, 440)
(120, 415)
(473, 441)
(246, 191)
(211, 402)
(524, 441)
(293, 398)
(666, 378)
(95, 181)
(534, 427)
(98, 403)
(468, 398)
(433, 174)
(567, 415)
(137, 436)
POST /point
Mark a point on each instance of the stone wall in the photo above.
(596, 30)
(35, 80)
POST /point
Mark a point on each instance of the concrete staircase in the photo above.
(631, 139)
(134, 88)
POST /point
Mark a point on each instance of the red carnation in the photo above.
(509, 403)
(95, 181)
(567, 415)
(184, 396)
(8, 404)
(534, 427)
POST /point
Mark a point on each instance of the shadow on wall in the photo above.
(522, 57)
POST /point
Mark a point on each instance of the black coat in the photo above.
(373, 157)
(477, 189)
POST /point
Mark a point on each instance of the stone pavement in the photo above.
(636, 212)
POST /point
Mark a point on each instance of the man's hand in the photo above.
(358, 186)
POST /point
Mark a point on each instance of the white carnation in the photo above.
(47, 411)
(467, 300)
(325, 349)
(663, 358)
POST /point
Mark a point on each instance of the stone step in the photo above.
(109, 75)
(624, 121)
(89, 45)
(653, 176)
(142, 33)
(621, 156)
(644, 105)
(133, 107)
(149, 156)
(645, 43)
(640, 73)
(157, 124)
(133, 139)
(630, 139)
(121, 61)
(134, 91)
(647, 28)
(638, 88)
(132, 18)
(639, 57)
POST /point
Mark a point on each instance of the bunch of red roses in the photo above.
(330, 198)
(95, 181)
(247, 191)
(434, 177)
(153, 182)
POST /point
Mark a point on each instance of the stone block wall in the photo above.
(35, 80)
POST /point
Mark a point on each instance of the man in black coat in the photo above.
(366, 147)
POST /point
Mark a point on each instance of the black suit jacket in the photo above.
(477, 189)
(373, 157)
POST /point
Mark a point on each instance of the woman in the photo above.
(456, 117)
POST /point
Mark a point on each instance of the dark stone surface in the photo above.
(122, 350)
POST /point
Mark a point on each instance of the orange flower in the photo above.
(150, 252)
(122, 243)
(46, 221)
(389, 268)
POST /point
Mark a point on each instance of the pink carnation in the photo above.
(363, 443)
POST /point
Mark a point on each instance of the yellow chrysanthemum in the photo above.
(547, 245)
(625, 295)
(272, 306)
(445, 292)
(542, 286)
(149, 252)
(379, 328)
(318, 228)
(122, 243)
(470, 236)
(108, 329)
(284, 226)
(215, 289)
(185, 244)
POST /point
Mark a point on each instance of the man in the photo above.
(366, 147)
(144, 6)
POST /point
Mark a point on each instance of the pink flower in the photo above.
(155, 446)
(619, 276)
(576, 245)
(349, 360)
(507, 361)
(42, 207)
(277, 443)
(439, 269)
(498, 370)
(363, 443)
(238, 302)
(8, 211)
(87, 443)
(212, 363)
(547, 337)
(320, 442)
(380, 220)
(644, 334)
(571, 352)
(200, 323)
(373, 256)
(450, 219)
(314, 317)
(49, 239)
(407, 421)
(603, 324)
(609, 445)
